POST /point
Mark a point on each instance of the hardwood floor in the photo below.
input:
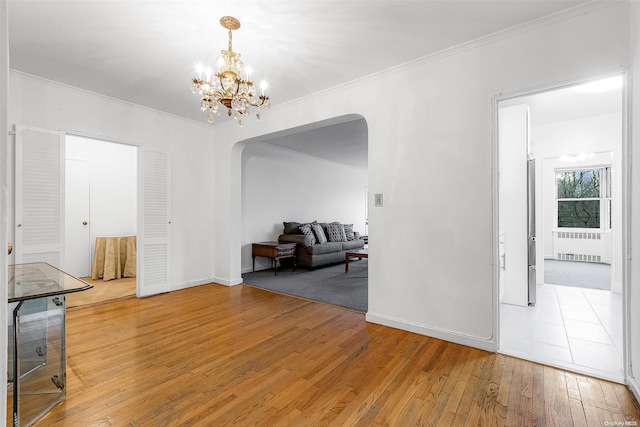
(102, 292)
(215, 355)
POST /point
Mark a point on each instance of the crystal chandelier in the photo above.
(227, 87)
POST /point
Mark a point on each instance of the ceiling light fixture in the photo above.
(602, 85)
(577, 158)
(227, 87)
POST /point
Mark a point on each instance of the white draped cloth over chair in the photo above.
(114, 258)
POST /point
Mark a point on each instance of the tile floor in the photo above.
(573, 328)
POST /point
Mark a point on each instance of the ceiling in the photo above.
(571, 103)
(144, 52)
(345, 142)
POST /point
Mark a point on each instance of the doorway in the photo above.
(574, 136)
(100, 205)
(324, 165)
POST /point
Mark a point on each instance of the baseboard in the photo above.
(432, 332)
(207, 281)
(634, 386)
(194, 283)
(227, 282)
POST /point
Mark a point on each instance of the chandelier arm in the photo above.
(238, 85)
(216, 95)
(219, 76)
(213, 94)
(255, 104)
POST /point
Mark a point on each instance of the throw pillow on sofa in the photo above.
(292, 227)
(348, 232)
(319, 232)
(335, 232)
(307, 231)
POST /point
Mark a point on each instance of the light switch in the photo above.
(378, 200)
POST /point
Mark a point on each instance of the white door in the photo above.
(154, 245)
(513, 132)
(77, 218)
(39, 192)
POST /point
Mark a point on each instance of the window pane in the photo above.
(578, 184)
(579, 213)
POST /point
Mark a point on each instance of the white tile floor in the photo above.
(573, 328)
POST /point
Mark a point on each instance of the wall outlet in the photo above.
(378, 200)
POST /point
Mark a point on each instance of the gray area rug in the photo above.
(326, 284)
(579, 274)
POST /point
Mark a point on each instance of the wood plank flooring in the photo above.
(215, 355)
(102, 292)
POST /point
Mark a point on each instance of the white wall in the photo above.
(113, 185)
(190, 145)
(431, 266)
(634, 239)
(284, 185)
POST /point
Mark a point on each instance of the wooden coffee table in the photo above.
(360, 253)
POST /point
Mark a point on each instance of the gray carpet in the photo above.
(579, 274)
(326, 284)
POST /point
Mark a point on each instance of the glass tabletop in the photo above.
(39, 279)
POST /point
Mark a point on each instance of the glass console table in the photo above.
(36, 377)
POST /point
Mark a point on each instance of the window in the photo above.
(582, 196)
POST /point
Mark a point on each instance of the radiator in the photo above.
(579, 257)
(578, 235)
(587, 246)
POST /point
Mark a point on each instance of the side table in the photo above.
(37, 346)
(275, 251)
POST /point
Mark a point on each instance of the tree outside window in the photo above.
(579, 198)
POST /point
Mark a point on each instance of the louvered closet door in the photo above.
(39, 191)
(154, 248)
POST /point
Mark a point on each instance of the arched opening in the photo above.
(316, 172)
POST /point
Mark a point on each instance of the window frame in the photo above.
(605, 198)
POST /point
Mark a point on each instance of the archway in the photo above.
(312, 172)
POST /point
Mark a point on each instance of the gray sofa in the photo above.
(310, 254)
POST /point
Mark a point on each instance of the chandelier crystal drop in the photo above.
(227, 86)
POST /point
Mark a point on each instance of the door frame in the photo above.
(625, 200)
(139, 148)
